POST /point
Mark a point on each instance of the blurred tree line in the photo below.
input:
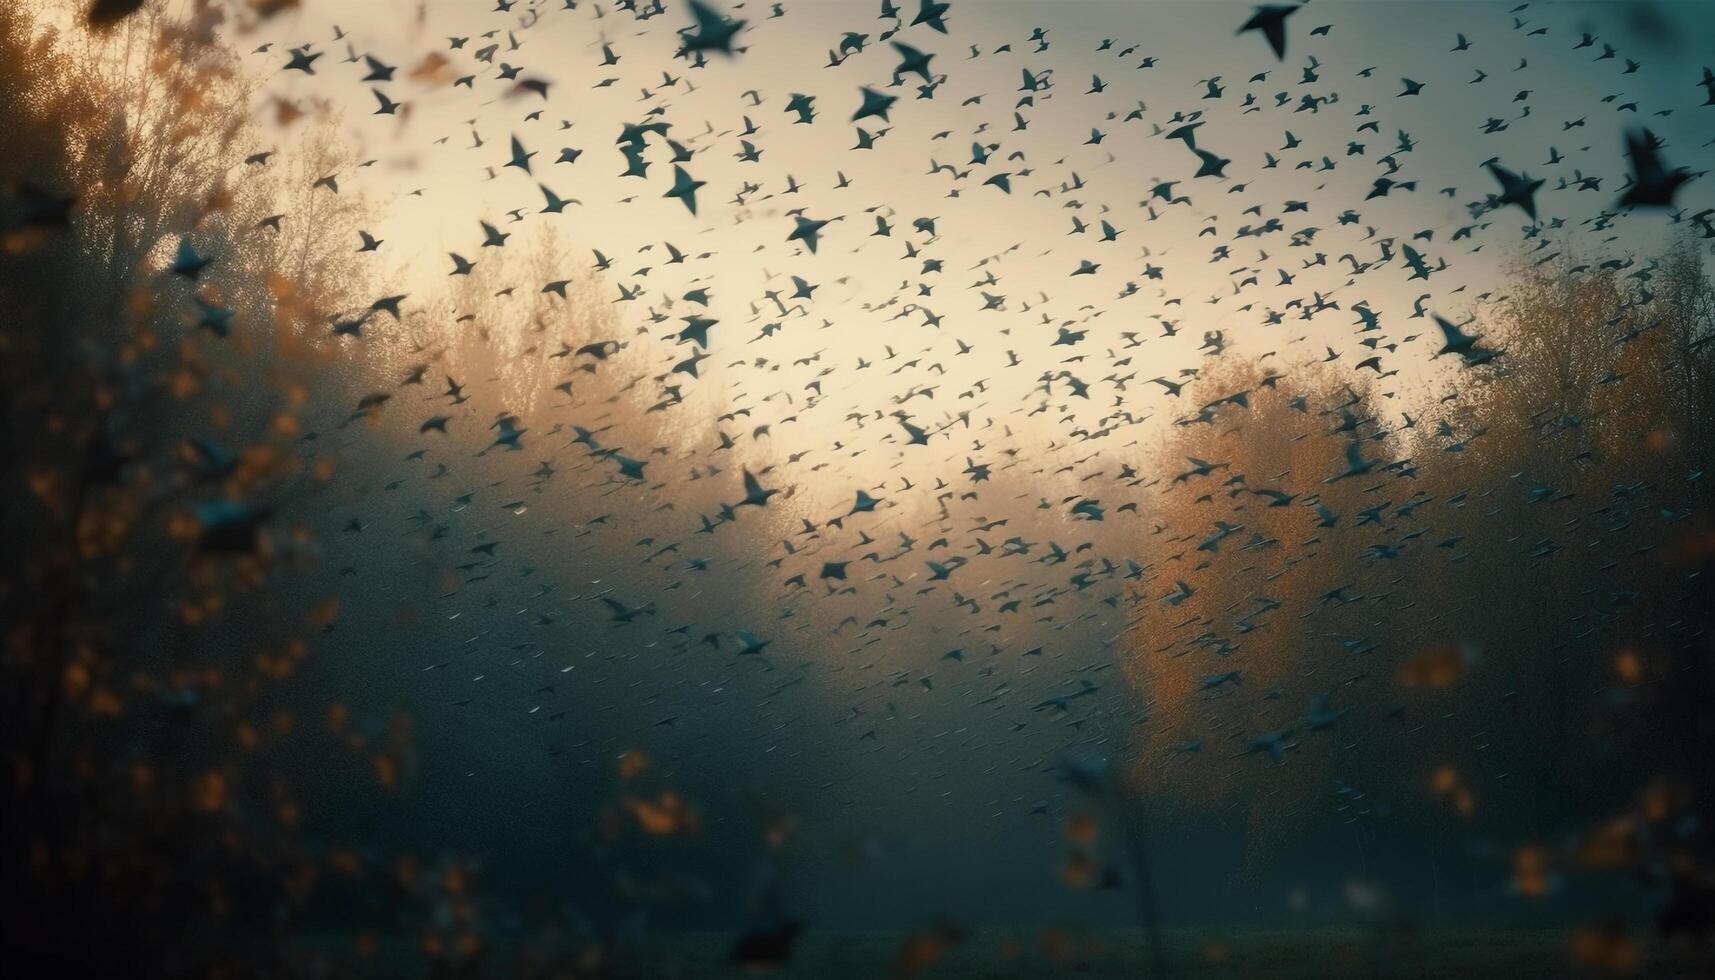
(157, 362)
(194, 446)
(1507, 618)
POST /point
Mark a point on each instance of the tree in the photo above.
(153, 513)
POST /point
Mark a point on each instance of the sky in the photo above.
(860, 277)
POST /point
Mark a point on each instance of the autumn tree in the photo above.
(155, 510)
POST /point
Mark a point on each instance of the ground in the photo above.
(1017, 953)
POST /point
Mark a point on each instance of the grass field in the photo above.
(1018, 953)
(1031, 953)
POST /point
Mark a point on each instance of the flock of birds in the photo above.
(985, 371)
